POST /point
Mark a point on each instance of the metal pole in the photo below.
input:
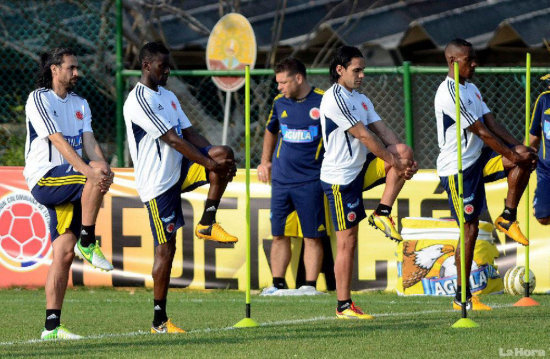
(407, 97)
(119, 87)
(226, 116)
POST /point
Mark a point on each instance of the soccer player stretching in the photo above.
(170, 158)
(59, 127)
(489, 153)
(361, 152)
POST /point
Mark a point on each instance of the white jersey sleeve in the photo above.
(151, 119)
(40, 114)
(87, 117)
(338, 111)
(445, 103)
(182, 117)
(372, 116)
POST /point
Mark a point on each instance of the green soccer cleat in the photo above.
(93, 255)
(59, 333)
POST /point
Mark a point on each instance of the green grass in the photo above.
(116, 323)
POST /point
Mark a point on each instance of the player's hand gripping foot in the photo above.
(511, 229)
(93, 255)
(58, 333)
(166, 327)
(214, 232)
(386, 225)
(473, 303)
(353, 312)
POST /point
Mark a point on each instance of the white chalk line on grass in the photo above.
(267, 324)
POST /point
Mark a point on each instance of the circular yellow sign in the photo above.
(231, 46)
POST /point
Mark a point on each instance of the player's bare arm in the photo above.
(195, 138)
(534, 142)
(384, 133)
(495, 127)
(264, 169)
(94, 175)
(190, 151)
(376, 146)
(525, 159)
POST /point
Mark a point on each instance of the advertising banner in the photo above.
(125, 236)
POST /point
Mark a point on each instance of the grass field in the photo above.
(116, 325)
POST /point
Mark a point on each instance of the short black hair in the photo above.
(54, 57)
(291, 65)
(151, 49)
(343, 57)
(458, 42)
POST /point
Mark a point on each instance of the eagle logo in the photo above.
(417, 264)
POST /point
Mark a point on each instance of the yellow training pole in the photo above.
(247, 322)
(526, 301)
(463, 322)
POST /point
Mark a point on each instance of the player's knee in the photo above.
(66, 257)
(221, 152)
(544, 221)
(404, 151)
(99, 164)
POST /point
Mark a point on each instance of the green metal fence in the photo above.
(402, 95)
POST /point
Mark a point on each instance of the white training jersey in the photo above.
(149, 114)
(472, 108)
(344, 154)
(46, 113)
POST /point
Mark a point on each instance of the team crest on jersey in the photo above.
(170, 227)
(469, 209)
(352, 216)
(365, 106)
(174, 105)
(79, 115)
(314, 113)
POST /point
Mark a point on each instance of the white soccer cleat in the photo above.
(269, 291)
(93, 255)
(309, 290)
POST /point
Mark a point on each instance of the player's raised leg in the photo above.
(208, 228)
(381, 218)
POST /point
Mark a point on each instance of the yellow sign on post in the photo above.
(231, 46)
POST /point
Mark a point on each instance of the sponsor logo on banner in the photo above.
(352, 216)
(314, 113)
(24, 233)
(446, 286)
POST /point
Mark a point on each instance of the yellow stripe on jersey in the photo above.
(339, 208)
(318, 91)
(454, 195)
(196, 173)
(64, 214)
(494, 165)
(279, 148)
(375, 171)
(542, 130)
(319, 149)
(59, 181)
(272, 107)
(157, 221)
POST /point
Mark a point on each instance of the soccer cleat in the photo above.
(93, 255)
(58, 333)
(214, 232)
(352, 312)
(309, 290)
(511, 229)
(269, 291)
(386, 225)
(473, 303)
(166, 327)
